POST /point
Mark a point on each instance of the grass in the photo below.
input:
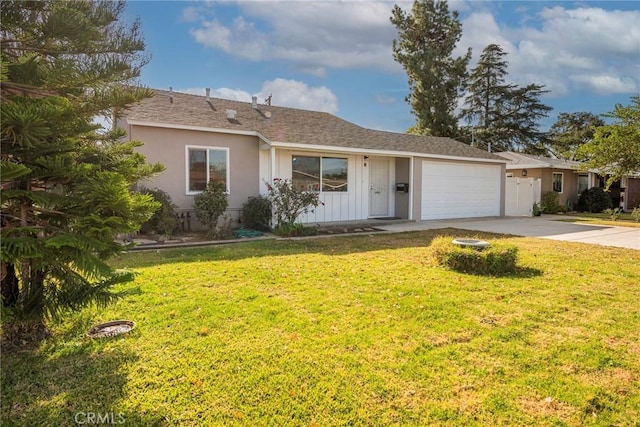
(624, 220)
(359, 330)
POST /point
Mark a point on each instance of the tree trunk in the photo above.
(9, 287)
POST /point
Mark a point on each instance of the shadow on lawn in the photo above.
(68, 383)
(326, 245)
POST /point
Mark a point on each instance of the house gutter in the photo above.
(368, 151)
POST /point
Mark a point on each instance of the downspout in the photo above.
(272, 152)
(411, 187)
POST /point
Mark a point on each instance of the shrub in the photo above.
(594, 200)
(537, 210)
(210, 204)
(551, 202)
(635, 214)
(288, 203)
(294, 230)
(256, 213)
(496, 260)
(163, 220)
(614, 214)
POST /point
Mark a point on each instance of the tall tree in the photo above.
(426, 39)
(571, 131)
(487, 88)
(502, 114)
(615, 147)
(66, 184)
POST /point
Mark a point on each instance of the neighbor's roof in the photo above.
(519, 160)
(290, 125)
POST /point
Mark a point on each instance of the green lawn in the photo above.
(360, 330)
(624, 220)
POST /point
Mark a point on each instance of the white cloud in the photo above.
(285, 93)
(604, 84)
(588, 49)
(313, 36)
(563, 48)
(292, 93)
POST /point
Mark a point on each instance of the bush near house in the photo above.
(256, 213)
(551, 202)
(210, 204)
(594, 200)
(496, 260)
(163, 220)
(288, 203)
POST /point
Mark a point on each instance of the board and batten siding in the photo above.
(338, 206)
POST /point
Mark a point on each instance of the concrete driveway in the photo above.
(546, 227)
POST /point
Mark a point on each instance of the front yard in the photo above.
(360, 330)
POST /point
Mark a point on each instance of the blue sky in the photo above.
(336, 56)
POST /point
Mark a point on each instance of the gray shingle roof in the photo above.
(291, 125)
(516, 159)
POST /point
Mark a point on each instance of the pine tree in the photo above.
(426, 39)
(502, 114)
(571, 131)
(487, 90)
(66, 185)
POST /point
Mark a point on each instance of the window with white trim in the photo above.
(205, 164)
(315, 173)
(558, 182)
(583, 183)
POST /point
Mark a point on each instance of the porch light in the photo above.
(524, 172)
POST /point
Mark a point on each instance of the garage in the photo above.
(460, 190)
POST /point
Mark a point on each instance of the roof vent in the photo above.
(171, 94)
(254, 102)
(208, 90)
(231, 114)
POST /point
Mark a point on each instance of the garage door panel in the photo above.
(457, 190)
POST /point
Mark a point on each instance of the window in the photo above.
(558, 182)
(204, 165)
(583, 183)
(327, 174)
(334, 174)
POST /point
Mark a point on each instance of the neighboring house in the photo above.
(561, 176)
(360, 173)
(625, 193)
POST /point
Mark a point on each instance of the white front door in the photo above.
(378, 187)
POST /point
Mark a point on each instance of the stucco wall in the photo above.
(632, 193)
(167, 146)
(570, 182)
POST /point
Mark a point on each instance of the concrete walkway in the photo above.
(546, 227)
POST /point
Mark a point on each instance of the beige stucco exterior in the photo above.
(168, 146)
(569, 187)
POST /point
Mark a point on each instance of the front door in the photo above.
(378, 187)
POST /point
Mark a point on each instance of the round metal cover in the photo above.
(110, 329)
(479, 244)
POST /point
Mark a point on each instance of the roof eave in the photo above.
(375, 152)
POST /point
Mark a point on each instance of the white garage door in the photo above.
(459, 190)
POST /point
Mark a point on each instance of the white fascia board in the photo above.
(372, 152)
(198, 128)
(527, 166)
